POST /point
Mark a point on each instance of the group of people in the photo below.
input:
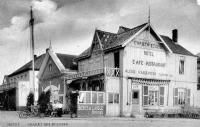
(55, 109)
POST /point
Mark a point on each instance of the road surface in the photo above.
(11, 119)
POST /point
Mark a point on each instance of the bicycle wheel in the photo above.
(23, 114)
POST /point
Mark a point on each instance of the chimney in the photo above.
(175, 35)
(47, 49)
(35, 56)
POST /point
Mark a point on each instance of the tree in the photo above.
(43, 100)
(30, 99)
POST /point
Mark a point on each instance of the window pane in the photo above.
(161, 100)
(100, 97)
(88, 97)
(145, 100)
(176, 100)
(94, 97)
(116, 98)
(188, 101)
(145, 90)
(188, 91)
(110, 98)
(82, 97)
(161, 90)
(176, 92)
(181, 67)
(135, 95)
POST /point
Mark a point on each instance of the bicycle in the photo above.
(30, 113)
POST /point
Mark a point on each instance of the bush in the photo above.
(43, 100)
(30, 99)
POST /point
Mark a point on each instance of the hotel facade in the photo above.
(133, 70)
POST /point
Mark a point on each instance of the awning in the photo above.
(149, 81)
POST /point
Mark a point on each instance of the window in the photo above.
(110, 98)
(50, 67)
(135, 97)
(181, 96)
(94, 97)
(181, 65)
(116, 59)
(82, 97)
(100, 97)
(116, 98)
(198, 84)
(91, 97)
(113, 98)
(145, 95)
(153, 95)
(88, 97)
(162, 90)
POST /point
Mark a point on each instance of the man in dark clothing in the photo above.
(73, 102)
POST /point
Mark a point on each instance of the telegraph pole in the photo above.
(31, 24)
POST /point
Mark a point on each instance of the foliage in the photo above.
(43, 100)
(30, 99)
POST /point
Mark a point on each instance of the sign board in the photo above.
(145, 60)
(91, 110)
(85, 74)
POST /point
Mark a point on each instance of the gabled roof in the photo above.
(67, 60)
(117, 40)
(112, 40)
(175, 47)
(64, 62)
(28, 66)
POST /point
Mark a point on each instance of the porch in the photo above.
(92, 90)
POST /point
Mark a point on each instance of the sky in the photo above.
(70, 24)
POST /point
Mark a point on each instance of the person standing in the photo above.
(73, 103)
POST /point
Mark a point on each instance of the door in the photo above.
(135, 100)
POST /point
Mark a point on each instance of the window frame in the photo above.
(91, 97)
(186, 96)
(113, 98)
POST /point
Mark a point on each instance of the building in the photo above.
(50, 76)
(198, 71)
(17, 85)
(133, 70)
(198, 79)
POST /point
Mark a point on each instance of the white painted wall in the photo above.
(112, 86)
(170, 71)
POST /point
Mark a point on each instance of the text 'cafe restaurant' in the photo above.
(135, 69)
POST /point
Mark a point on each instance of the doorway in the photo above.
(135, 101)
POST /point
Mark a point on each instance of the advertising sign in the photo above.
(91, 110)
(145, 60)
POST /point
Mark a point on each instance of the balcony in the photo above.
(109, 72)
(112, 72)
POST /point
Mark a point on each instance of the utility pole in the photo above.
(31, 23)
(149, 20)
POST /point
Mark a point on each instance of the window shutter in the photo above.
(145, 96)
(162, 90)
(188, 96)
(175, 96)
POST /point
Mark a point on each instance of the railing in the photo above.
(112, 72)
